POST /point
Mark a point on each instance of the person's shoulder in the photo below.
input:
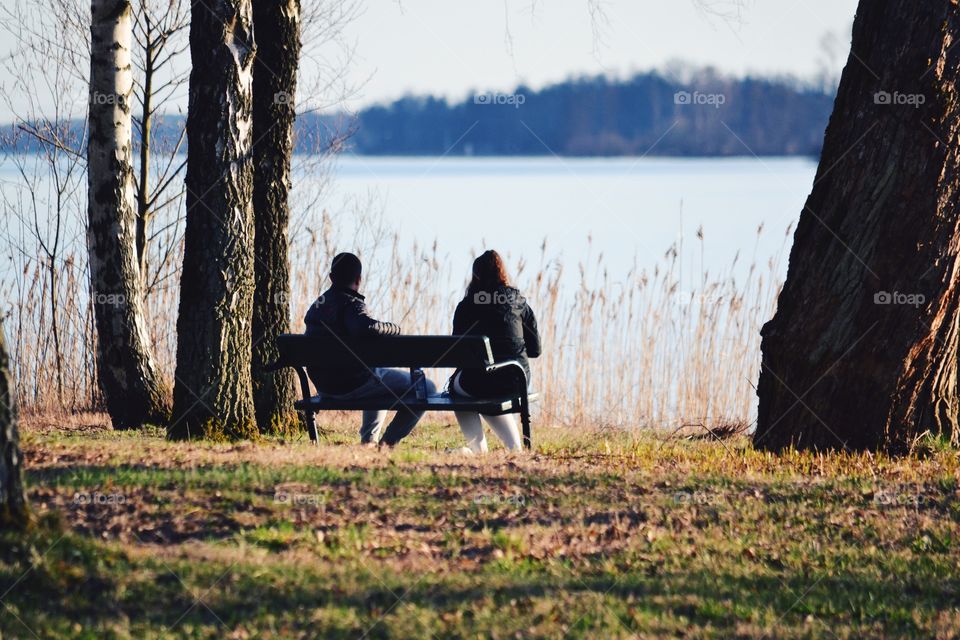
(356, 303)
(335, 295)
(510, 296)
(319, 308)
(324, 298)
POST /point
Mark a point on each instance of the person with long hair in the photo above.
(493, 308)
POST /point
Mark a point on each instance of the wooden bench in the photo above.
(406, 352)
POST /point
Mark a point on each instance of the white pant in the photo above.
(504, 426)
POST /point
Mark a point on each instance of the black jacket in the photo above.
(342, 312)
(505, 317)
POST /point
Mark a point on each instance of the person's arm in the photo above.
(360, 324)
(531, 335)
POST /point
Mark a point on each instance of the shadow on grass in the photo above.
(64, 585)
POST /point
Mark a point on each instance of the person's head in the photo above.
(346, 271)
(489, 273)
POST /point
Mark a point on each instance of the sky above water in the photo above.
(450, 47)
(454, 47)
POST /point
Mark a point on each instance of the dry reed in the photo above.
(635, 351)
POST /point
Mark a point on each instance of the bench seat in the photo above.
(444, 402)
(332, 352)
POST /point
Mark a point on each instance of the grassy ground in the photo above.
(596, 535)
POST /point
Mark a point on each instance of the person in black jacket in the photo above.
(494, 309)
(341, 311)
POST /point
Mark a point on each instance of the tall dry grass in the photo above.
(641, 349)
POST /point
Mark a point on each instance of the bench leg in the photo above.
(525, 423)
(308, 416)
(311, 420)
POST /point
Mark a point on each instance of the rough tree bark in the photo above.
(862, 352)
(132, 387)
(13, 505)
(277, 26)
(213, 395)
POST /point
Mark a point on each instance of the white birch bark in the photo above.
(131, 386)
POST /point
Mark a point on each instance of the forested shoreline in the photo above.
(653, 113)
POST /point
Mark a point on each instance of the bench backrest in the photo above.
(401, 351)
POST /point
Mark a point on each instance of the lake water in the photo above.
(632, 209)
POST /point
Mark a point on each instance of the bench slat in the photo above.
(400, 351)
(432, 403)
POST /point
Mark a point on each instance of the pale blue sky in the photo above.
(451, 46)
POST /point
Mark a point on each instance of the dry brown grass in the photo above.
(598, 534)
(631, 350)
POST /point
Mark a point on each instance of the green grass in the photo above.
(597, 535)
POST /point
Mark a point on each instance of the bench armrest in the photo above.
(519, 371)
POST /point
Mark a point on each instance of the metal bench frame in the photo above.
(409, 352)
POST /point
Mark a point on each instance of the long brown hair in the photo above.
(489, 273)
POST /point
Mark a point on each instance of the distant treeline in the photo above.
(647, 114)
(704, 115)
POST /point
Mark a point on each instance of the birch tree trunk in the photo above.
(132, 387)
(13, 505)
(213, 394)
(862, 352)
(277, 25)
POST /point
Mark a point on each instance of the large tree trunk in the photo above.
(13, 505)
(132, 387)
(213, 395)
(862, 352)
(277, 25)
